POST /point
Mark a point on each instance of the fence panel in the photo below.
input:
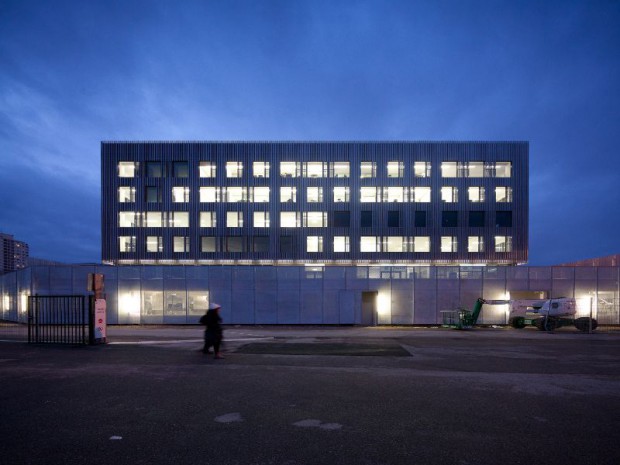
(58, 319)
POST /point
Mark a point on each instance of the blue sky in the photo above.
(74, 73)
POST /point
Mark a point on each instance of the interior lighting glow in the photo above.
(383, 304)
(24, 302)
(129, 303)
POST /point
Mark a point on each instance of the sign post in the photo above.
(98, 320)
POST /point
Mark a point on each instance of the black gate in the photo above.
(58, 319)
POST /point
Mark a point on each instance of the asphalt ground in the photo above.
(314, 395)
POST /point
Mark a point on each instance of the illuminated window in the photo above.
(368, 194)
(314, 194)
(503, 243)
(261, 219)
(288, 194)
(449, 194)
(395, 244)
(127, 244)
(475, 194)
(289, 169)
(475, 244)
(395, 169)
(235, 194)
(370, 244)
(289, 219)
(180, 244)
(340, 169)
(260, 194)
(153, 194)
(127, 169)
(503, 169)
(234, 169)
(128, 219)
(341, 194)
(449, 169)
(180, 194)
(315, 219)
(209, 194)
(368, 169)
(503, 194)
(314, 169)
(421, 244)
(234, 219)
(422, 169)
(422, 194)
(209, 244)
(341, 244)
(449, 243)
(154, 244)
(475, 169)
(206, 169)
(260, 169)
(180, 169)
(314, 244)
(394, 194)
(207, 220)
(154, 169)
(179, 219)
(154, 219)
(126, 194)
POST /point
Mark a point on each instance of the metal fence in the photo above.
(58, 319)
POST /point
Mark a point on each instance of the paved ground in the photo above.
(315, 396)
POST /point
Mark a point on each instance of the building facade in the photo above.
(13, 254)
(314, 203)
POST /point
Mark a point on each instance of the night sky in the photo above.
(74, 73)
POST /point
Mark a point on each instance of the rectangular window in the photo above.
(420, 219)
(449, 194)
(128, 219)
(127, 244)
(475, 169)
(421, 244)
(422, 169)
(179, 219)
(234, 169)
(286, 245)
(340, 169)
(341, 194)
(289, 219)
(370, 244)
(126, 194)
(154, 169)
(209, 244)
(314, 169)
(154, 244)
(394, 194)
(395, 169)
(260, 194)
(476, 219)
(209, 194)
(503, 219)
(368, 169)
(503, 169)
(180, 194)
(206, 169)
(449, 169)
(475, 244)
(395, 244)
(314, 244)
(449, 243)
(127, 169)
(503, 243)
(366, 218)
(154, 219)
(288, 194)
(342, 219)
(475, 194)
(235, 244)
(235, 194)
(449, 219)
(180, 244)
(260, 244)
(260, 169)
(315, 219)
(289, 169)
(261, 219)
(503, 194)
(393, 219)
(341, 244)
(153, 194)
(234, 219)
(369, 194)
(422, 194)
(180, 169)
(207, 220)
(314, 194)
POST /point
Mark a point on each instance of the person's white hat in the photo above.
(213, 306)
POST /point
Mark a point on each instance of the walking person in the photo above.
(213, 330)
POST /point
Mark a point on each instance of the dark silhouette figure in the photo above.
(213, 330)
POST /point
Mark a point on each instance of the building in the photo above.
(314, 203)
(13, 254)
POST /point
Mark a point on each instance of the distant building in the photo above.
(314, 203)
(610, 260)
(13, 254)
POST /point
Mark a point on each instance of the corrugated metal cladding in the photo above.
(390, 217)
